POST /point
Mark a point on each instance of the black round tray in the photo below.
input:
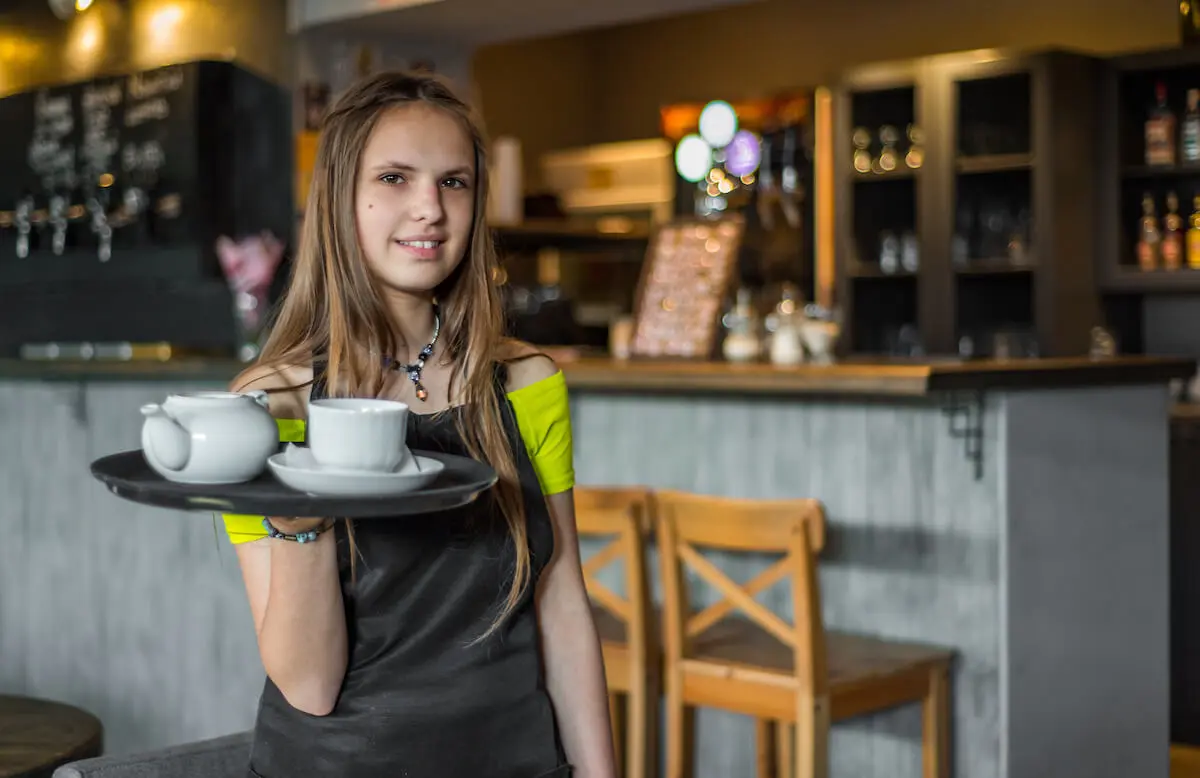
(128, 475)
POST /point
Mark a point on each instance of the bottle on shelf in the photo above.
(1160, 131)
(1190, 134)
(889, 136)
(785, 344)
(1193, 236)
(1150, 240)
(916, 147)
(910, 252)
(889, 252)
(862, 149)
(742, 342)
(1172, 238)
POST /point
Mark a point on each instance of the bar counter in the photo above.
(864, 378)
(1016, 512)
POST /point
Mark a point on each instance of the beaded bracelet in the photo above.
(300, 537)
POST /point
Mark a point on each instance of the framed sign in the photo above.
(689, 269)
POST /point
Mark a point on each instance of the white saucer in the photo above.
(295, 467)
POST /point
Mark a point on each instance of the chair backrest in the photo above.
(624, 515)
(795, 528)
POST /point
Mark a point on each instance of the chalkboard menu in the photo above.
(113, 192)
(106, 178)
(686, 277)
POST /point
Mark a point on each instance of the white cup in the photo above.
(358, 434)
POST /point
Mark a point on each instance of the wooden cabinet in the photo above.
(1128, 96)
(992, 188)
(1148, 310)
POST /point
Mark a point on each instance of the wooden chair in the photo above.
(785, 675)
(631, 656)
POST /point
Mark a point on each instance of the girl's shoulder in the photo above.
(287, 387)
(525, 365)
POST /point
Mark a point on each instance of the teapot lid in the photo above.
(208, 397)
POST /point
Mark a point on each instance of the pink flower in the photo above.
(249, 265)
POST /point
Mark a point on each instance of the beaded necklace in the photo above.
(414, 370)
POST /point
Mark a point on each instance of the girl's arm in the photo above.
(571, 647)
(294, 590)
(296, 601)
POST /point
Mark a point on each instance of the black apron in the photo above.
(418, 700)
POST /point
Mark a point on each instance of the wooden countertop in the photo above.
(591, 374)
(180, 369)
(910, 379)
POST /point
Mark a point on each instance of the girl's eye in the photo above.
(392, 178)
(454, 183)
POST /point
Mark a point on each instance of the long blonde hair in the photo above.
(333, 309)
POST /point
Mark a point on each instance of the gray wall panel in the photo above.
(1088, 600)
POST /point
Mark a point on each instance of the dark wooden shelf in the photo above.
(872, 270)
(555, 228)
(902, 172)
(1182, 281)
(995, 266)
(1162, 171)
(994, 163)
(566, 234)
(1169, 58)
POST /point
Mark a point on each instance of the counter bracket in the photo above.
(965, 413)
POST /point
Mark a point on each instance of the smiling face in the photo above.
(415, 198)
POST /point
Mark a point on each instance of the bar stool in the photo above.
(782, 674)
(631, 656)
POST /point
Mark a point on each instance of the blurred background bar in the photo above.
(933, 263)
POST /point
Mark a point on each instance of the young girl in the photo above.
(458, 644)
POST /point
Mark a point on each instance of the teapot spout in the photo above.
(164, 441)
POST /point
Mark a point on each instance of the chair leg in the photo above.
(638, 728)
(615, 719)
(764, 741)
(689, 741)
(785, 744)
(676, 715)
(935, 709)
(812, 738)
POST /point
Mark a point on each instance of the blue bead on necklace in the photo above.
(414, 370)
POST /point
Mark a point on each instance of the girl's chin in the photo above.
(406, 276)
(411, 284)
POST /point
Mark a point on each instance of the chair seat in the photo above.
(734, 641)
(864, 673)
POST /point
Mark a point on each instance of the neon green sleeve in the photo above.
(544, 419)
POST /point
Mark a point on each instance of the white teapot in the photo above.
(209, 437)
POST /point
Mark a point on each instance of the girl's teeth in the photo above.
(420, 244)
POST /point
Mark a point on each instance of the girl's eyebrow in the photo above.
(405, 168)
